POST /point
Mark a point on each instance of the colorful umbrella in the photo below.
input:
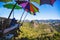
(5, 0)
(29, 7)
(10, 6)
(40, 1)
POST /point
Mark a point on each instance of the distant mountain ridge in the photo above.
(44, 21)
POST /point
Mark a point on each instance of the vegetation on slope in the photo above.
(42, 32)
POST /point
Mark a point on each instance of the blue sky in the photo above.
(45, 12)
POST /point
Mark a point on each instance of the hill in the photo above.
(41, 32)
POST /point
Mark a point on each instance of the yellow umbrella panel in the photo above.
(37, 1)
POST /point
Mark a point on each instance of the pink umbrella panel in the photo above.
(29, 7)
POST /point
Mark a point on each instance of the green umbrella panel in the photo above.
(10, 6)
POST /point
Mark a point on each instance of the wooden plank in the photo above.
(11, 28)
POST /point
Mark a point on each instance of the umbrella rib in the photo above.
(24, 17)
(21, 16)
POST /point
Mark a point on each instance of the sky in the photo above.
(46, 12)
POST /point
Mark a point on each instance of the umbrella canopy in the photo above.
(10, 6)
(40, 1)
(5, 0)
(29, 7)
(51, 2)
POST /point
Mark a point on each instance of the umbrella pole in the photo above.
(24, 17)
(21, 16)
(5, 21)
(13, 14)
(12, 10)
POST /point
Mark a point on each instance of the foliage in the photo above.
(43, 32)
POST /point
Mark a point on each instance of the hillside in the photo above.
(40, 32)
